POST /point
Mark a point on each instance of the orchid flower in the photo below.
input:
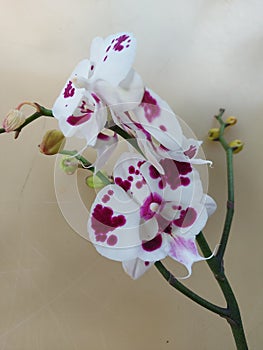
(158, 131)
(106, 79)
(145, 215)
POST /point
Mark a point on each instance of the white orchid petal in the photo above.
(105, 146)
(149, 152)
(136, 268)
(155, 249)
(80, 113)
(95, 50)
(155, 115)
(184, 250)
(114, 57)
(190, 220)
(114, 224)
(149, 229)
(70, 96)
(124, 97)
(127, 174)
(210, 205)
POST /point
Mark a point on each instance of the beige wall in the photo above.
(55, 291)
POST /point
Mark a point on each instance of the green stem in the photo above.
(187, 292)
(222, 129)
(230, 187)
(233, 315)
(230, 206)
(87, 164)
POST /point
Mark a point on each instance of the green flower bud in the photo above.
(94, 181)
(14, 119)
(236, 145)
(231, 121)
(52, 142)
(213, 134)
(68, 164)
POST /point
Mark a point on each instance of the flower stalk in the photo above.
(174, 282)
(216, 264)
(231, 312)
(230, 188)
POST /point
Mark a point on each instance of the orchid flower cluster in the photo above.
(161, 191)
(154, 205)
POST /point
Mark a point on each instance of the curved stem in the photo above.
(187, 292)
(233, 315)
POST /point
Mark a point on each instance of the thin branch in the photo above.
(230, 206)
(189, 293)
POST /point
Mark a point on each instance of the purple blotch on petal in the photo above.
(120, 40)
(153, 244)
(187, 218)
(191, 151)
(125, 184)
(69, 90)
(150, 106)
(112, 240)
(103, 221)
(78, 120)
(105, 198)
(131, 169)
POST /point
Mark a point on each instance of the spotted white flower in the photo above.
(145, 215)
(106, 79)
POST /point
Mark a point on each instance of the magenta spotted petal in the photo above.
(137, 221)
(159, 133)
(80, 113)
(113, 57)
(156, 117)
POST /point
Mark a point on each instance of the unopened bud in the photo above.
(213, 134)
(236, 145)
(231, 121)
(14, 119)
(69, 165)
(52, 142)
(94, 181)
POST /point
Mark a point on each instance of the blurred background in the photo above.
(56, 292)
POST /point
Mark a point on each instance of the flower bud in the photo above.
(52, 142)
(14, 119)
(69, 165)
(236, 145)
(213, 134)
(94, 181)
(231, 121)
